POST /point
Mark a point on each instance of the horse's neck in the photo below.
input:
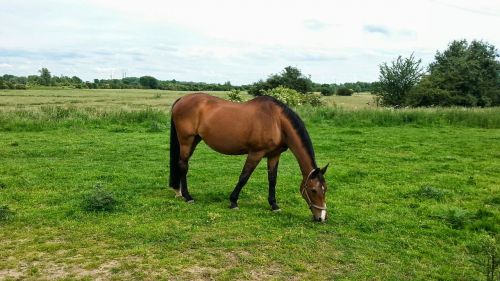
(306, 162)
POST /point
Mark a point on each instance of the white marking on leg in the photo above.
(178, 193)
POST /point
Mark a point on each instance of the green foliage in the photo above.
(45, 77)
(288, 96)
(312, 99)
(290, 77)
(464, 75)
(343, 91)
(291, 97)
(99, 200)
(148, 82)
(398, 79)
(235, 95)
(327, 90)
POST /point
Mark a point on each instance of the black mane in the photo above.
(298, 126)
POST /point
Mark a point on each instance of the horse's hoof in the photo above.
(234, 206)
(276, 210)
(190, 201)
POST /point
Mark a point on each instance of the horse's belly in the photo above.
(225, 144)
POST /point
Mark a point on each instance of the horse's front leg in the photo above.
(272, 173)
(252, 161)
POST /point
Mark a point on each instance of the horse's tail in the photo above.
(175, 179)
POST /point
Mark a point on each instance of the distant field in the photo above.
(132, 99)
(414, 195)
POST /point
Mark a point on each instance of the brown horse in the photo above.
(262, 127)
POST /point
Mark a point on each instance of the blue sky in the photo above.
(233, 40)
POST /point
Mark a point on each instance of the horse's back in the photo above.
(228, 127)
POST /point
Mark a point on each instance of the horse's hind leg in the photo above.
(252, 161)
(187, 146)
(272, 173)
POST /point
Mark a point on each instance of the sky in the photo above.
(239, 41)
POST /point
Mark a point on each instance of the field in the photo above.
(413, 195)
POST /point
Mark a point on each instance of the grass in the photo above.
(409, 199)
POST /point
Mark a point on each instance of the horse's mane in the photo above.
(298, 126)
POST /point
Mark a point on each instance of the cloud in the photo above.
(376, 29)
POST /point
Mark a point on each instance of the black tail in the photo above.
(175, 179)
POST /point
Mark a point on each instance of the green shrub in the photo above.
(99, 200)
(287, 96)
(312, 99)
(235, 95)
(344, 91)
(293, 98)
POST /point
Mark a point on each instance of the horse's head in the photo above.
(313, 189)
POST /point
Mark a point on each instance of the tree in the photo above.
(290, 77)
(148, 82)
(398, 79)
(464, 74)
(45, 77)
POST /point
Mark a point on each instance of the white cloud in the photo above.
(241, 41)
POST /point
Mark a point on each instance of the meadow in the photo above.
(414, 194)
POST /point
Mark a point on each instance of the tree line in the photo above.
(46, 79)
(291, 77)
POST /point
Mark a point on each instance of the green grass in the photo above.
(410, 198)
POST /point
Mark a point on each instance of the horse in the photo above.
(261, 127)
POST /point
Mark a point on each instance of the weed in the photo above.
(457, 218)
(429, 192)
(5, 213)
(3, 185)
(155, 127)
(99, 200)
(487, 257)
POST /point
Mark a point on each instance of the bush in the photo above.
(327, 90)
(235, 95)
(293, 98)
(99, 200)
(312, 99)
(287, 96)
(344, 92)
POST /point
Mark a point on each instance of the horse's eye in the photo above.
(314, 191)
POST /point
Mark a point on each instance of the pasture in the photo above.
(413, 195)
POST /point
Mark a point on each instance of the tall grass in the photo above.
(49, 117)
(383, 117)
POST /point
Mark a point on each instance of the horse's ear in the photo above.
(323, 170)
(315, 173)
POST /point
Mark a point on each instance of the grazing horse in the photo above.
(261, 127)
